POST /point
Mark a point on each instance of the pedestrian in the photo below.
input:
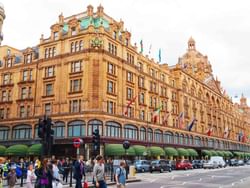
(79, 171)
(43, 175)
(1, 176)
(11, 177)
(30, 177)
(66, 168)
(99, 173)
(56, 176)
(120, 175)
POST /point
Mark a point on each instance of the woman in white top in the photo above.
(30, 177)
(56, 176)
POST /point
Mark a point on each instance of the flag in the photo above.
(159, 55)
(129, 104)
(156, 113)
(210, 131)
(165, 118)
(243, 138)
(181, 120)
(150, 47)
(240, 135)
(226, 132)
(141, 43)
(190, 126)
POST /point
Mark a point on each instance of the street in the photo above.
(227, 177)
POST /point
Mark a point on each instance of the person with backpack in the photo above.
(120, 175)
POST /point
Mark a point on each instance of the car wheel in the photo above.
(161, 170)
(151, 171)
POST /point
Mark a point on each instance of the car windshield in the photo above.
(154, 162)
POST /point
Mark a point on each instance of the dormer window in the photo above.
(56, 36)
(27, 58)
(114, 35)
(9, 62)
(73, 31)
(126, 42)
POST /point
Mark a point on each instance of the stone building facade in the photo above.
(86, 73)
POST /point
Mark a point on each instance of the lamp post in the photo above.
(126, 145)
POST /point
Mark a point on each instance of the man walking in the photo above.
(99, 173)
(120, 175)
(79, 171)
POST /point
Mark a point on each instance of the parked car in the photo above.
(142, 165)
(233, 162)
(241, 163)
(210, 165)
(183, 164)
(248, 162)
(160, 165)
(219, 160)
(197, 163)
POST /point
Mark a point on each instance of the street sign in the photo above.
(77, 142)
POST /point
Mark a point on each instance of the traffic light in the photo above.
(96, 141)
(41, 129)
(126, 144)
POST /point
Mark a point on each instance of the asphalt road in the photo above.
(237, 177)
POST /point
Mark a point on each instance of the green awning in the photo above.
(171, 152)
(229, 153)
(238, 154)
(182, 152)
(118, 150)
(35, 149)
(213, 153)
(220, 153)
(18, 150)
(2, 150)
(156, 151)
(206, 153)
(139, 150)
(192, 152)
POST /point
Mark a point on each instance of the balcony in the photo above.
(6, 102)
(7, 85)
(25, 82)
(25, 99)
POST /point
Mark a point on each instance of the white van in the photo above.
(219, 160)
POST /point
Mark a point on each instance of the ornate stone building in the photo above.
(85, 74)
(2, 17)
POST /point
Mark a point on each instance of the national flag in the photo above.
(159, 55)
(165, 118)
(240, 135)
(181, 120)
(243, 138)
(129, 104)
(210, 131)
(150, 47)
(226, 132)
(190, 126)
(141, 43)
(156, 113)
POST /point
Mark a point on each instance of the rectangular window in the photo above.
(47, 108)
(30, 76)
(28, 58)
(129, 93)
(141, 98)
(9, 62)
(48, 89)
(22, 111)
(111, 107)
(75, 85)
(129, 76)
(2, 113)
(49, 71)
(141, 82)
(23, 93)
(25, 75)
(73, 31)
(75, 106)
(142, 115)
(130, 112)
(4, 96)
(111, 87)
(56, 35)
(111, 68)
(140, 66)
(7, 79)
(30, 92)
(28, 111)
(76, 66)
(9, 95)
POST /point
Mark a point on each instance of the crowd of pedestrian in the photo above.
(50, 172)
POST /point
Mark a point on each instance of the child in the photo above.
(11, 177)
(30, 177)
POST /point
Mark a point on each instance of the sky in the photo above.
(221, 29)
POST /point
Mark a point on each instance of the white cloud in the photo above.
(221, 29)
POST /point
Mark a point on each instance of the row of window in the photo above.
(113, 129)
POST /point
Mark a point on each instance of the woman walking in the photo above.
(43, 175)
(30, 177)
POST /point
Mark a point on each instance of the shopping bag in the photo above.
(85, 185)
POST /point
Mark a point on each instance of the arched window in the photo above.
(168, 137)
(21, 132)
(186, 140)
(80, 45)
(181, 138)
(59, 129)
(158, 135)
(176, 138)
(93, 125)
(210, 143)
(150, 135)
(72, 48)
(36, 131)
(113, 129)
(130, 132)
(191, 140)
(197, 141)
(76, 46)
(143, 134)
(4, 133)
(76, 128)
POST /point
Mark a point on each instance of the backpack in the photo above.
(120, 172)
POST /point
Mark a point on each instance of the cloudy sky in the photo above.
(221, 29)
